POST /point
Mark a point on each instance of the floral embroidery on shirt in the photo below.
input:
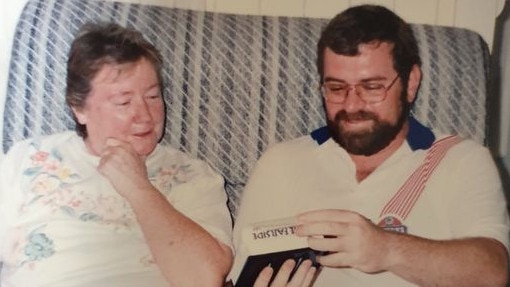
(27, 248)
(48, 174)
(52, 185)
(39, 246)
(147, 261)
(166, 177)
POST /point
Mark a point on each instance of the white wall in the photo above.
(9, 13)
(478, 15)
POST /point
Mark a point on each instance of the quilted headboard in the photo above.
(233, 84)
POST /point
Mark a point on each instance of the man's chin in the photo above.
(355, 144)
(356, 133)
(365, 143)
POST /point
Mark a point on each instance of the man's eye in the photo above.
(336, 89)
(372, 87)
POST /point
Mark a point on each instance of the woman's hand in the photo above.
(303, 276)
(123, 167)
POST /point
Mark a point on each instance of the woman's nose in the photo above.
(142, 111)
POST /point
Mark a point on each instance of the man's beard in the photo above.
(372, 140)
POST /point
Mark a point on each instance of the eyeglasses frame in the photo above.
(353, 86)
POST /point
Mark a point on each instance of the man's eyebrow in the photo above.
(332, 79)
(371, 79)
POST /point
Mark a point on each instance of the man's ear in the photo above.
(413, 83)
(80, 116)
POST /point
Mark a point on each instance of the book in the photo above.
(270, 243)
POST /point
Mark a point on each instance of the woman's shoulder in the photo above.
(166, 156)
(42, 142)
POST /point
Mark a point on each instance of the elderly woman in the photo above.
(108, 205)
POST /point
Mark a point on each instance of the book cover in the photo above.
(271, 243)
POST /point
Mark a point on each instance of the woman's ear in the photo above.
(413, 83)
(80, 116)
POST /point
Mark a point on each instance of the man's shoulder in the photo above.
(301, 144)
(294, 151)
(463, 144)
(465, 148)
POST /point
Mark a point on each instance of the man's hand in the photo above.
(351, 239)
(302, 277)
(123, 167)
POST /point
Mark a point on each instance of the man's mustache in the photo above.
(361, 115)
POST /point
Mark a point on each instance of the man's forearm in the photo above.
(463, 262)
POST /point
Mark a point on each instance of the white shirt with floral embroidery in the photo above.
(63, 224)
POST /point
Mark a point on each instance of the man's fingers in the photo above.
(326, 215)
(322, 228)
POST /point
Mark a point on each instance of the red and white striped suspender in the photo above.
(404, 199)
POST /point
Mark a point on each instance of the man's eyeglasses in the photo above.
(370, 93)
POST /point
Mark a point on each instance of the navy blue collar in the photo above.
(419, 136)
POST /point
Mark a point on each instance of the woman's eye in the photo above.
(121, 102)
(154, 96)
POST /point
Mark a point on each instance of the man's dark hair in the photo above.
(99, 44)
(369, 24)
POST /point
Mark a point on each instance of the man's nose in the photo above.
(353, 100)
